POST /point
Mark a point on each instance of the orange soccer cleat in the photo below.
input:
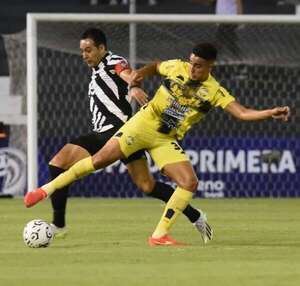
(165, 240)
(32, 198)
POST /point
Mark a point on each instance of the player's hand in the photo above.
(281, 113)
(139, 95)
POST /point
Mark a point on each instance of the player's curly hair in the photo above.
(97, 35)
(206, 51)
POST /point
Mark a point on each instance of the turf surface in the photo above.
(257, 242)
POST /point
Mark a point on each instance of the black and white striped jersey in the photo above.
(108, 94)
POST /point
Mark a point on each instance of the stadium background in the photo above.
(260, 75)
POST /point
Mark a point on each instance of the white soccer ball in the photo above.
(37, 233)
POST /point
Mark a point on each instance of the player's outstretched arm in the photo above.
(241, 112)
(137, 76)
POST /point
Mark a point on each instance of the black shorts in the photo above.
(94, 141)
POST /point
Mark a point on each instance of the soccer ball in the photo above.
(37, 233)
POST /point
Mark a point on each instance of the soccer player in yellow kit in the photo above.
(187, 93)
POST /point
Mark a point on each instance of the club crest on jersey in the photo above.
(129, 140)
(202, 91)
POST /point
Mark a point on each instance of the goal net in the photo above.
(259, 60)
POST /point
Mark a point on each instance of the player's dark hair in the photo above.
(96, 35)
(206, 51)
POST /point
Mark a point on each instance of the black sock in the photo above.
(164, 191)
(58, 199)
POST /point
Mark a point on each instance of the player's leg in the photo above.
(78, 148)
(66, 157)
(182, 173)
(139, 172)
(107, 155)
(173, 162)
(137, 168)
(110, 153)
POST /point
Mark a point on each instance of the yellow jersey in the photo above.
(181, 102)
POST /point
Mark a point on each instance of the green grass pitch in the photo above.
(257, 242)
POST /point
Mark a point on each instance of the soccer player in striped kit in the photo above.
(110, 109)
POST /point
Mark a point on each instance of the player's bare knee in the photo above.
(101, 160)
(146, 186)
(188, 183)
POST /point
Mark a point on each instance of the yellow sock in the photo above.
(77, 171)
(176, 204)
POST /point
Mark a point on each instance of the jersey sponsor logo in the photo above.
(173, 114)
(175, 110)
(189, 94)
(183, 98)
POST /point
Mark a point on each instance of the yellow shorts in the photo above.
(138, 134)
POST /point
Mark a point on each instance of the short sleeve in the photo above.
(223, 98)
(166, 67)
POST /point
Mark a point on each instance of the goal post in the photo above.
(32, 98)
(176, 31)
